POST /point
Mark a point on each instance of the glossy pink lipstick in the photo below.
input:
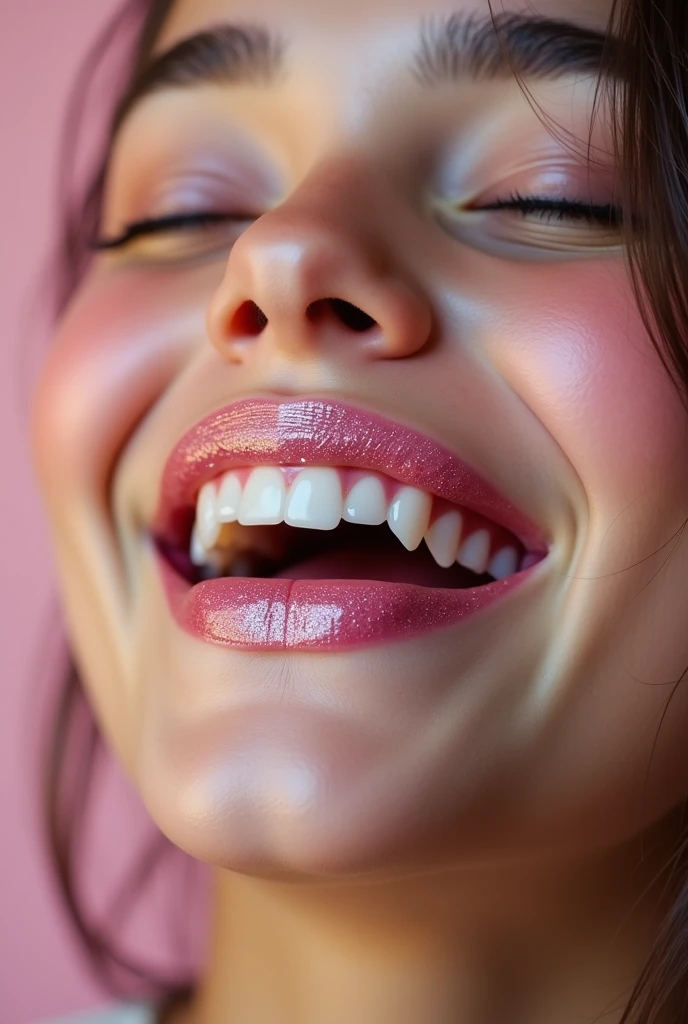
(320, 614)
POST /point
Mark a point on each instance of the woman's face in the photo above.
(421, 273)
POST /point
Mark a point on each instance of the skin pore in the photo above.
(471, 824)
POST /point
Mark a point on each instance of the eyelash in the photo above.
(547, 209)
(173, 222)
(605, 214)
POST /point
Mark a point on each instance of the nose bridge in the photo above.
(315, 238)
(319, 262)
(336, 192)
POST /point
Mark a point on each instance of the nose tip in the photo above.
(300, 281)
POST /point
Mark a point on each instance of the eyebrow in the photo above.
(224, 55)
(505, 44)
(450, 48)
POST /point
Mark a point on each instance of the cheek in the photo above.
(586, 367)
(122, 342)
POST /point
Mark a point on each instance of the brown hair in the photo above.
(649, 95)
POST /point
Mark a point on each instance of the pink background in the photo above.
(41, 43)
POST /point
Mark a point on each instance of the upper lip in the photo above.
(316, 432)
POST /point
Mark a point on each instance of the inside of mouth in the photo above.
(350, 551)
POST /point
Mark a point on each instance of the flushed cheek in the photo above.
(121, 343)
(586, 367)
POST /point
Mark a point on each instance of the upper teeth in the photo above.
(314, 499)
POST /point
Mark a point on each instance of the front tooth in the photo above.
(504, 563)
(408, 516)
(229, 498)
(315, 499)
(474, 552)
(443, 538)
(206, 516)
(366, 503)
(263, 499)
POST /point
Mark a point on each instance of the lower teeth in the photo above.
(380, 562)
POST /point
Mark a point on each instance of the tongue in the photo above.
(387, 566)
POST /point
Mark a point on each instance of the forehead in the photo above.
(337, 25)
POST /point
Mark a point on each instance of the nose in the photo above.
(318, 272)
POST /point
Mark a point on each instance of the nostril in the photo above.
(348, 314)
(352, 316)
(249, 319)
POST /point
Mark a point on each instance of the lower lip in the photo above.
(316, 615)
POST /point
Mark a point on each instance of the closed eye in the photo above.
(547, 209)
(170, 223)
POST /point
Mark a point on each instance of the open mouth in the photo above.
(333, 523)
(266, 541)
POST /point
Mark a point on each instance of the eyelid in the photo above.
(562, 182)
(562, 210)
(504, 235)
(189, 192)
(149, 226)
(208, 184)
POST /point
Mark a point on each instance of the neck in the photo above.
(528, 944)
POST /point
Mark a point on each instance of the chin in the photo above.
(287, 791)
